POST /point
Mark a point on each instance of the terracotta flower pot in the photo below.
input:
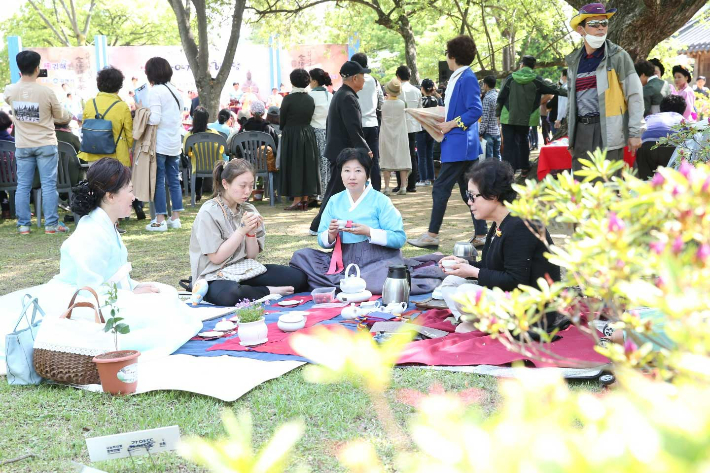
(118, 371)
(252, 333)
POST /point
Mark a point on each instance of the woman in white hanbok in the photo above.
(95, 256)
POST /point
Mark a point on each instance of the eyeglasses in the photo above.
(446, 52)
(471, 196)
(598, 23)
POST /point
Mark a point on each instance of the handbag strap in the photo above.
(171, 93)
(99, 319)
(96, 297)
(28, 301)
(226, 218)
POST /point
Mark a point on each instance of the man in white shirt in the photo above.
(371, 98)
(412, 97)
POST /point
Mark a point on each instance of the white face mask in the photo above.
(595, 41)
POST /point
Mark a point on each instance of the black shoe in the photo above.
(198, 198)
(395, 190)
(69, 218)
(120, 230)
(140, 214)
(410, 191)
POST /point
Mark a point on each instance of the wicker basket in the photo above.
(69, 364)
(64, 367)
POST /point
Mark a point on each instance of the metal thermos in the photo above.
(397, 285)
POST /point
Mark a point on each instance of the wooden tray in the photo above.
(431, 304)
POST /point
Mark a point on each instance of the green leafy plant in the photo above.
(691, 139)
(250, 312)
(113, 323)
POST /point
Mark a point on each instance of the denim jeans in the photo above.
(492, 146)
(45, 159)
(167, 166)
(425, 149)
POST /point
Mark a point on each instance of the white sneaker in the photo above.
(154, 226)
(402, 191)
(427, 183)
(421, 183)
(174, 223)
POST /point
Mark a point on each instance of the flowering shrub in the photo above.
(691, 139)
(635, 244)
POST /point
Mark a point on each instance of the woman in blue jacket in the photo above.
(460, 146)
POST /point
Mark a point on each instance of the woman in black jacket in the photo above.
(513, 254)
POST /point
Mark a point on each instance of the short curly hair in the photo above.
(462, 49)
(494, 180)
(300, 78)
(109, 80)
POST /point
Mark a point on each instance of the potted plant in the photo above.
(258, 192)
(252, 328)
(117, 369)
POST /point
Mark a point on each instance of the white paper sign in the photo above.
(128, 444)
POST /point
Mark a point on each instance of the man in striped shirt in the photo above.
(606, 98)
(489, 129)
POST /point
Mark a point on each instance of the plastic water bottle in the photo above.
(199, 290)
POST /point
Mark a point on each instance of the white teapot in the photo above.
(396, 308)
(352, 284)
(351, 312)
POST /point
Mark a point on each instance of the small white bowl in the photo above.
(292, 321)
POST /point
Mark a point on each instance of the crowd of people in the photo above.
(340, 148)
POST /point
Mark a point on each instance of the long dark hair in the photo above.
(229, 171)
(200, 119)
(320, 76)
(105, 176)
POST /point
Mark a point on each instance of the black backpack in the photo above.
(97, 133)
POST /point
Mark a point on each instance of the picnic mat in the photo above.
(465, 349)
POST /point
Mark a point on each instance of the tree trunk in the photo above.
(410, 48)
(208, 88)
(639, 26)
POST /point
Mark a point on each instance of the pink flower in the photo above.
(660, 282)
(479, 296)
(658, 180)
(686, 169)
(677, 245)
(703, 252)
(615, 223)
(706, 184)
(629, 347)
(658, 247)
(676, 191)
(620, 263)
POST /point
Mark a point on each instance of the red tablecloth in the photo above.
(558, 157)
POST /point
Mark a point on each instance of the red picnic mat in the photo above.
(478, 348)
(276, 335)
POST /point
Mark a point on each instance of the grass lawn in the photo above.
(52, 422)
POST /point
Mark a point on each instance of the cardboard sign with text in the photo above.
(129, 444)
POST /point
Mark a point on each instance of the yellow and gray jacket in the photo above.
(620, 97)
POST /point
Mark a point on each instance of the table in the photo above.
(555, 157)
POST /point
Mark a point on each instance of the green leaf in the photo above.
(123, 328)
(109, 324)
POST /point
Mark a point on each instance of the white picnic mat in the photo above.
(223, 377)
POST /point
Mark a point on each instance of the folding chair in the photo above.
(8, 172)
(252, 145)
(207, 149)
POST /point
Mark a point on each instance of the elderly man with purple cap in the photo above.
(605, 94)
